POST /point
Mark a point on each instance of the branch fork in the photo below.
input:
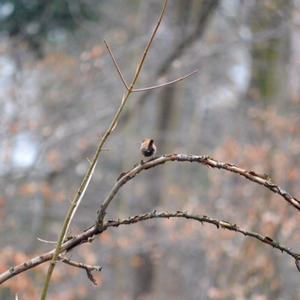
(145, 88)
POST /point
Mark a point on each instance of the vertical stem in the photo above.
(86, 180)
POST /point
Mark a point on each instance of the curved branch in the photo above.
(263, 180)
(205, 219)
(89, 234)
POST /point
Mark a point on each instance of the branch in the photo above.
(116, 65)
(146, 88)
(205, 14)
(88, 268)
(89, 234)
(207, 9)
(166, 83)
(263, 180)
(141, 63)
(205, 219)
(81, 238)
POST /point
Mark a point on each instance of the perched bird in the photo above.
(148, 148)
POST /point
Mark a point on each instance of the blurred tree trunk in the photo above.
(268, 87)
(269, 68)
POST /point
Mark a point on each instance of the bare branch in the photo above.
(263, 180)
(166, 83)
(88, 268)
(141, 63)
(116, 65)
(45, 241)
(88, 235)
(208, 7)
(205, 219)
(81, 238)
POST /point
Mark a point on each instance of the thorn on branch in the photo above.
(297, 262)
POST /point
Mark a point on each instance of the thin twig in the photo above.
(81, 238)
(204, 160)
(88, 234)
(141, 63)
(116, 65)
(45, 241)
(208, 7)
(88, 268)
(165, 84)
(147, 88)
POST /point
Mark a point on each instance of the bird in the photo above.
(148, 148)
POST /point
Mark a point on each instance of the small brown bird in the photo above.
(148, 147)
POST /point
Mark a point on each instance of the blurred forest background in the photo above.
(58, 92)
